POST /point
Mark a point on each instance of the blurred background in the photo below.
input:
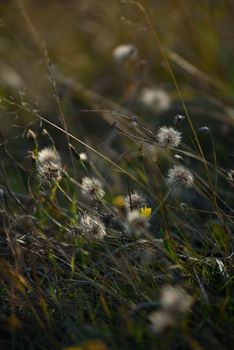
(72, 42)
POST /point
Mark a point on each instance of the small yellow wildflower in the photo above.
(13, 322)
(119, 201)
(146, 212)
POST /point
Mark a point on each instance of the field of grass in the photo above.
(116, 174)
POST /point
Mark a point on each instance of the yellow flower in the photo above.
(13, 322)
(119, 201)
(146, 212)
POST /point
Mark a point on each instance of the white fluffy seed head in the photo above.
(48, 165)
(126, 52)
(175, 300)
(48, 154)
(179, 176)
(157, 100)
(134, 201)
(92, 228)
(160, 320)
(168, 137)
(138, 221)
(92, 188)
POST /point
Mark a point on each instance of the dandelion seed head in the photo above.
(48, 154)
(134, 200)
(92, 228)
(157, 100)
(125, 52)
(160, 320)
(179, 176)
(138, 221)
(175, 299)
(168, 137)
(92, 188)
(48, 165)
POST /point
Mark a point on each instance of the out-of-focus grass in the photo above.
(80, 36)
(59, 290)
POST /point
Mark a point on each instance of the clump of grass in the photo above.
(103, 260)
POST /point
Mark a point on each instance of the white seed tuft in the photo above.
(92, 228)
(92, 188)
(157, 100)
(175, 299)
(134, 201)
(179, 176)
(168, 137)
(160, 320)
(139, 222)
(48, 165)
